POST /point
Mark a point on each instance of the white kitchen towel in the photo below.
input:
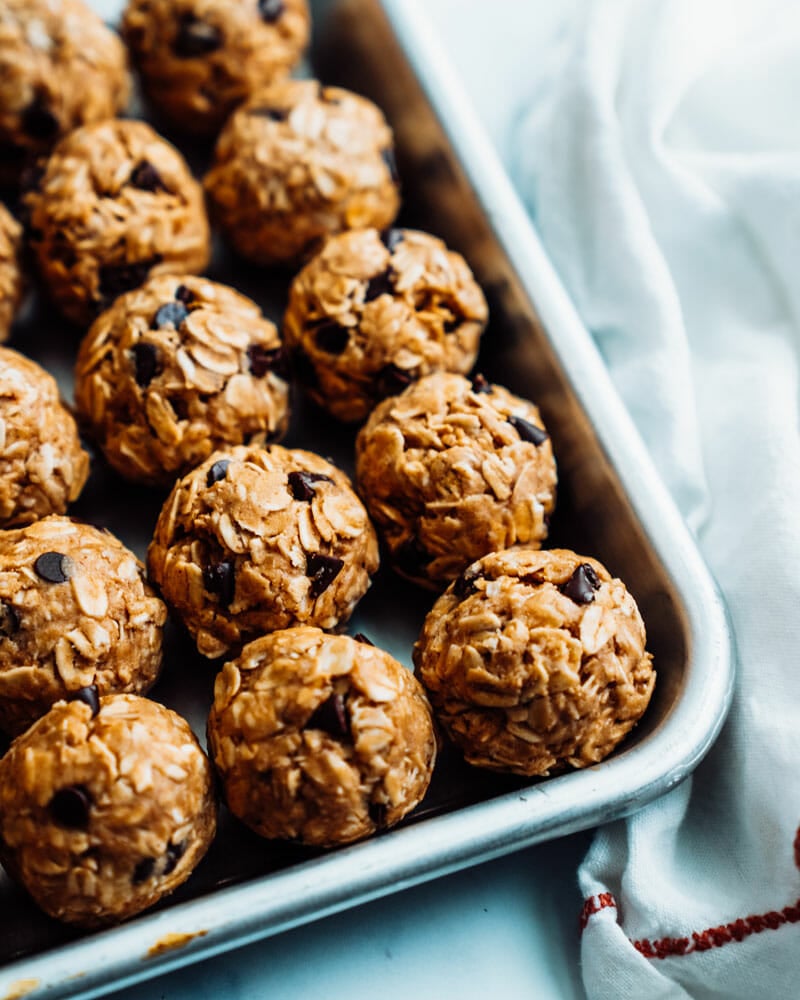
(660, 159)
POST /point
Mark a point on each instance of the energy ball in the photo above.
(320, 738)
(452, 469)
(115, 205)
(259, 539)
(60, 67)
(42, 465)
(175, 370)
(105, 808)
(10, 270)
(535, 661)
(200, 58)
(372, 312)
(76, 619)
(297, 163)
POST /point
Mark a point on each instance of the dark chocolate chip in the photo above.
(145, 362)
(143, 871)
(89, 696)
(118, 278)
(170, 314)
(267, 359)
(9, 620)
(528, 431)
(70, 807)
(220, 579)
(322, 570)
(273, 114)
(466, 584)
(301, 484)
(219, 470)
(38, 121)
(174, 854)
(331, 717)
(196, 38)
(303, 369)
(145, 176)
(392, 238)
(331, 338)
(387, 155)
(381, 284)
(391, 380)
(411, 558)
(451, 325)
(54, 567)
(581, 585)
(360, 637)
(184, 295)
(377, 813)
(270, 10)
(480, 383)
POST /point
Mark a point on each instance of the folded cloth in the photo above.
(661, 162)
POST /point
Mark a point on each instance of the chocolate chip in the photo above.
(303, 368)
(170, 314)
(12, 153)
(118, 278)
(377, 813)
(9, 620)
(217, 471)
(38, 121)
(89, 696)
(174, 854)
(70, 807)
(360, 637)
(196, 38)
(54, 567)
(322, 570)
(391, 380)
(143, 871)
(145, 176)
(387, 155)
(528, 431)
(220, 579)
(301, 484)
(270, 10)
(331, 717)
(381, 284)
(392, 238)
(184, 295)
(145, 362)
(466, 584)
(480, 383)
(411, 558)
(451, 325)
(331, 338)
(267, 359)
(581, 585)
(273, 114)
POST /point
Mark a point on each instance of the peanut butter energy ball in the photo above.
(200, 58)
(372, 312)
(452, 469)
(175, 370)
(42, 464)
(60, 67)
(105, 808)
(320, 738)
(116, 204)
(297, 163)
(258, 539)
(76, 618)
(10, 270)
(535, 661)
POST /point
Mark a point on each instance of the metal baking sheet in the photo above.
(611, 505)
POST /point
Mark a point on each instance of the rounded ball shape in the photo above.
(75, 614)
(175, 370)
(297, 163)
(42, 465)
(200, 58)
(535, 661)
(372, 312)
(11, 283)
(60, 67)
(320, 738)
(116, 204)
(452, 469)
(258, 539)
(104, 813)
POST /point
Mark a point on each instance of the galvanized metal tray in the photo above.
(611, 505)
